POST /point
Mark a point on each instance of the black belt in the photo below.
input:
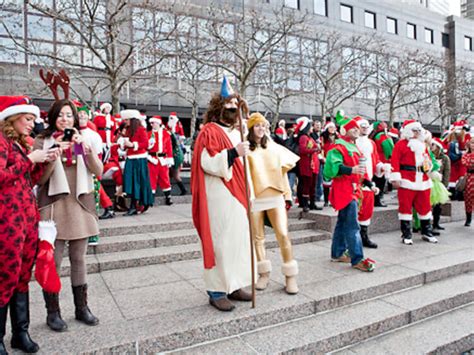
(160, 155)
(104, 129)
(411, 168)
(471, 171)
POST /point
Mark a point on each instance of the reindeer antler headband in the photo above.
(53, 81)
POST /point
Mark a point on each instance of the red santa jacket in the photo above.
(106, 127)
(140, 144)
(308, 148)
(160, 147)
(407, 165)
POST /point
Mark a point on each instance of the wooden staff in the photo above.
(243, 107)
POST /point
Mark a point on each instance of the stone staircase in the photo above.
(146, 288)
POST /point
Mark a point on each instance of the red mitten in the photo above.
(45, 270)
(288, 204)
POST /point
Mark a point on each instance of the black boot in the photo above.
(108, 213)
(168, 200)
(3, 323)
(437, 217)
(313, 206)
(364, 234)
(83, 313)
(427, 231)
(182, 188)
(326, 196)
(20, 318)
(468, 219)
(54, 320)
(304, 204)
(405, 227)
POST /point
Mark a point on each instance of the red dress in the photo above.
(468, 162)
(19, 219)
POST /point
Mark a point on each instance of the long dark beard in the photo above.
(229, 117)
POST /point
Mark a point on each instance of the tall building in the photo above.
(439, 6)
(467, 9)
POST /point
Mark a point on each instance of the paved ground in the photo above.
(131, 303)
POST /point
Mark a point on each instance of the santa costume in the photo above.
(411, 163)
(160, 158)
(106, 127)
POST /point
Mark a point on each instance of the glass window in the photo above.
(411, 31)
(9, 53)
(40, 27)
(42, 4)
(13, 21)
(71, 54)
(43, 53)
(294, 4)
(468, 43)
(445, 40)
(67, 34)
(429, 35)
(392, 26)
(346, 13)
(320, 7)
(370, 20)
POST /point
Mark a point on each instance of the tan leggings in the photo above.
(77, 258)
(279, 219)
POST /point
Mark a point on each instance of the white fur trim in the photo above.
(17, 109)
(47, 231)
(418, 185)
(154, 119)
(170, 161)
(135, 146)
(106, 105)
(290, 268)
(405, 217)
(129, 114)
(152, 160)
(264, 266)
(365, 223)
(137, 156)
(394, 176)
(434, 175)
(406, 131)
(425, 216)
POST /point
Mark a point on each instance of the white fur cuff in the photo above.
(264, 266)
(47, 231)
(290, 269)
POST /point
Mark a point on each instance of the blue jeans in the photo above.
(319, 184)
(292, 180)
(214, 295)
(347, 234)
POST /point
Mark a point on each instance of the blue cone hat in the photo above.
(226, 89)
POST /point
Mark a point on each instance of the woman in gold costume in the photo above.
(271, 196)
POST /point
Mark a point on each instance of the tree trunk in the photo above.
(391, 115)
(276, 117)
(194, 114)
(115, 92)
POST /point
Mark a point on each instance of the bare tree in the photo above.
(109, 41)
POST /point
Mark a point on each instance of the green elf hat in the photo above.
(85, 109)
(379, 126)
(346, 123)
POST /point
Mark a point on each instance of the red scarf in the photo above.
(214, 140)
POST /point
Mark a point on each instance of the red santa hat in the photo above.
(459, 125)
(348, 125)
(329, 124)
(408, 127)
(393, 132)
(301, 124)
(105, 105)
(13, 105)
(156, 119)
(438, 142)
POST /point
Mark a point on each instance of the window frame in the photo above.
(395, 21)
(374, 16)
(345, 6)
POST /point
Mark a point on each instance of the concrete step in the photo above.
(324, 316)
(159, 248)
(118, 243)
(451, 332)
(325, 332)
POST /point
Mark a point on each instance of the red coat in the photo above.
(140, 144)
(159, 142)
(403, 155)
(308, 148)
(19, 218)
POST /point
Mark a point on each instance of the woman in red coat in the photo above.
(468, 162)
(19, 216)
(307, 148)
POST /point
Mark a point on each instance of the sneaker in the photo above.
(366, 265)
(344, 258)
(94, 240)
(429, 239)
(407, 241)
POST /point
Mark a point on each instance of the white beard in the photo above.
(419, 148)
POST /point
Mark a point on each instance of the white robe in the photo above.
(229, 225)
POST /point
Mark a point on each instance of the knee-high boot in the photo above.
(264, 268)
(3, 324)
(405, 227)
(182, 188)
(168, 200)
(326, 196)
(437, 217)
(364, 234)
(20, 318)
(83, 313)
(54, 320)
(468, 219)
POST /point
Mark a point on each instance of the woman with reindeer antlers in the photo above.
(66, 196)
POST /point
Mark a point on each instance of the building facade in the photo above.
(164, 87)
(467, 9)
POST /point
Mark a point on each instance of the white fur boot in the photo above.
(264, 268)
(290, 270)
